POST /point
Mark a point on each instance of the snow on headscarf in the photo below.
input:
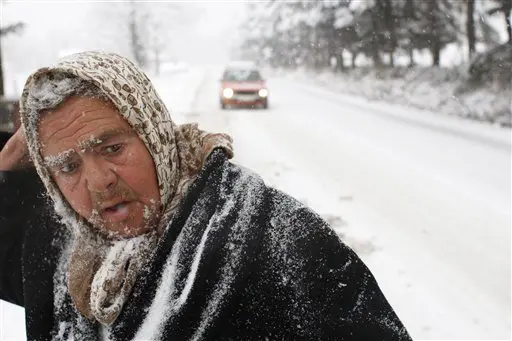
(96, 276)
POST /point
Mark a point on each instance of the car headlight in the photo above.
(263, 93)
(227, 92)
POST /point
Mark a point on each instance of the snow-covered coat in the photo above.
(240, 261)
(243, 261)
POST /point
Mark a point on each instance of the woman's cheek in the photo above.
(78, 199)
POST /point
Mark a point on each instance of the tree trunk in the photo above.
(470, 27)
(411, 55)
(436, 52)
(135, 39)
(354, 57)
(375, 56)
(340, 63)
(334, 52)
(391, 59)
(390, 23)
(435, 44)
(374, 40)
(157, 61)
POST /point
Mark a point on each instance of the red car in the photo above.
(243, 87)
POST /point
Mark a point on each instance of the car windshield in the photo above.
(241, 75)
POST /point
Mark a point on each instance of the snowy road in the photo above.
(425, 200)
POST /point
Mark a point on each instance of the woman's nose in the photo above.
(100, 175)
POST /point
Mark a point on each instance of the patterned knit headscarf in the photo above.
(178, 152)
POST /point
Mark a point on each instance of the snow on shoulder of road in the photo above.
(178, 89)
(436, 89)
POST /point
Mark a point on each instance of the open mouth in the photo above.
(116, 212)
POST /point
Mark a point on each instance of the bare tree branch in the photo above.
(13, 28)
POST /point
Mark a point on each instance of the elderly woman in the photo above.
(160, 236)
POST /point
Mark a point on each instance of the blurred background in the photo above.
(390, 118)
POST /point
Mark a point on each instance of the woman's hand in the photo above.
(14, 155)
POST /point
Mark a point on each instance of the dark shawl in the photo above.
(242, 261)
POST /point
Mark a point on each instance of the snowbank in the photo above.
(441, 90)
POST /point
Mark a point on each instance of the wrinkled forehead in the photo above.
(81, 123)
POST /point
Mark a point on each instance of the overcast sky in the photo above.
(193, 31)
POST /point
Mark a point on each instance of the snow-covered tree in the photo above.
(135, 27)
(145, 30)
(428, 25)
(318, 33)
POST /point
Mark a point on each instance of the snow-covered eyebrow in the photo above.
(104, 137)
(55, 161)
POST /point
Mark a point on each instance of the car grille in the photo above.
(246, 92)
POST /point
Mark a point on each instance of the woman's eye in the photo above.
(113, 149)
(69, 168)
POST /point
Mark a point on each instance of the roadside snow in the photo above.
(423, 88)
(178, 89)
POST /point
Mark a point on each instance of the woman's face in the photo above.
(101, 167)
